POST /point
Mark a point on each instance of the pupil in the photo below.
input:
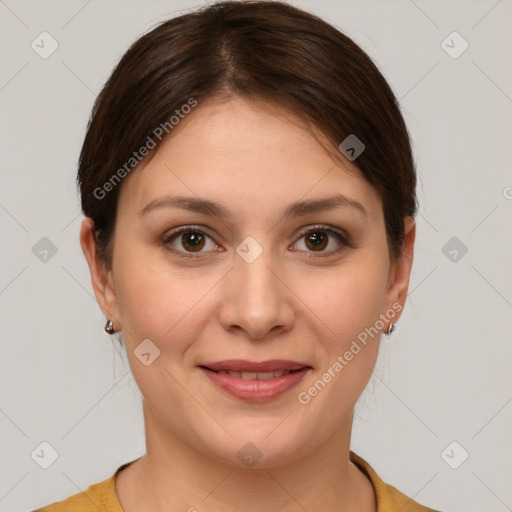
(317, 240)
(192, 239)
(315, 237)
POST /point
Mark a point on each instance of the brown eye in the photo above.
(317, 241)
(192, 241)
(187, 241)
(320, 238)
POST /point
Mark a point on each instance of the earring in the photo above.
(109, 327)
(390, 329)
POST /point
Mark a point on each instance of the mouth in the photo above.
(252, 375)
(255, 381)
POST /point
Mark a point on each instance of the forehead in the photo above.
(248, 155)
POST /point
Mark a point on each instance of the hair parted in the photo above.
(259, 49)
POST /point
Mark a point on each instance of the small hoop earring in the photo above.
(390, 329)
(109, 327)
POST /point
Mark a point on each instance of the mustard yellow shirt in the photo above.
(101, 497)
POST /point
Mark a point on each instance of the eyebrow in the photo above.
(207, 207)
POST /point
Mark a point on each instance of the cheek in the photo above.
(166, 306)
(346, 301)
(160, 302)
(348, 351)
(346, 307)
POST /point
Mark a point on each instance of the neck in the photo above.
(174, 472)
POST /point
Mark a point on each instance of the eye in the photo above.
(192, 240)
(318, 238)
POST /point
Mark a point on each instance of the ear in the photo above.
(400, 271)
(101, 277)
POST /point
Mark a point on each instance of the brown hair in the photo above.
(259, 49)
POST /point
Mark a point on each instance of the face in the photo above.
(263, 272)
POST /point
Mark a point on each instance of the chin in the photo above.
(259, 445)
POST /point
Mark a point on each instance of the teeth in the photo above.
(256, 375)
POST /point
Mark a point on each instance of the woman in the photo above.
(248, 189)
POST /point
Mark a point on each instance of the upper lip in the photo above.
(241, 365)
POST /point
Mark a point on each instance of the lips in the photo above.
(240, 365)
(255, 381)
(254, 375)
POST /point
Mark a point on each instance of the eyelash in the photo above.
(345, 241)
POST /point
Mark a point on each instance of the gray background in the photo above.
(445, 374)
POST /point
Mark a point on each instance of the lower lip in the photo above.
(256, 390)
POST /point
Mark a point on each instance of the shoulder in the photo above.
(389, 499)
(99, 497)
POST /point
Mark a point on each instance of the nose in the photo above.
(256, 298)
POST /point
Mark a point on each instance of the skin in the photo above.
(290, 303)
